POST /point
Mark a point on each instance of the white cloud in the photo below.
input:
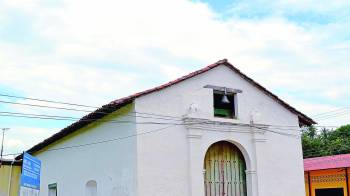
(92, 52)
(11, 143)
(20, 138)
(150, 37)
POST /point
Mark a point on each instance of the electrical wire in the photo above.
(89, 106)
(55, 117)
(332, 111)
(102, 141)
(66, 118)
(237, 129)
(45, 100)
(148, 115)
(71, 104)
(67, 103)
(334, 115)
(89, 111)
(49, 117)
(278, 129)
(51, 101)
(281, 133)
(89, 120)
(121, 138)
(111, 140)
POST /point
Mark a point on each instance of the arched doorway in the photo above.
(224, 168)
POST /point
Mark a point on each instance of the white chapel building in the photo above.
(213, 132)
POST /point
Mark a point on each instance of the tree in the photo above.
(325, 142)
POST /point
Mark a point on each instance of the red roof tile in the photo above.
(328, 162)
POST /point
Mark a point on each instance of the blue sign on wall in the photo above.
(30, 172)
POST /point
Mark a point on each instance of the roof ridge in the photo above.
(172, 82)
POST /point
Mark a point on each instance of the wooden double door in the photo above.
(224, 171)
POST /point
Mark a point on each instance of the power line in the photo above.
(56, 117)
(45, 100)
(45, 106)
(326, 116)
(281, 133)
(149, 115)
(79, 110)
(82, 105)
(111, 140)
(49, 117)
(332, 111)
(334, 115)
(68, 118)
(102, 141)
(91, 120)
(241, 130)
(63, 103)
(144, 133)
(237, 128)
(66, 103)
(52, 117)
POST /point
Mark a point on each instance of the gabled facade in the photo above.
(213, 132)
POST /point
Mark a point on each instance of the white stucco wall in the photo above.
(170, 162)
(112, 165)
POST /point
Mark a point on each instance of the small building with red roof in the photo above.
(327, 176)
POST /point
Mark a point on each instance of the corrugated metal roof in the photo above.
(11, 162)
(327, 162)
(115, 105)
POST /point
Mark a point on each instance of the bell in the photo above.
(225, 99)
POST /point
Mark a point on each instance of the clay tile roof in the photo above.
(328, 162)
(116, 104)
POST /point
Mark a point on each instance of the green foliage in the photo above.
(325, 142)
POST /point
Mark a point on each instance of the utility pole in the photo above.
(2, 144)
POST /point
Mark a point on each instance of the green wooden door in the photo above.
(224, 171)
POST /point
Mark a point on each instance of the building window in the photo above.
(91, 188)
(330, 191)
(225, 105)
(53, 189)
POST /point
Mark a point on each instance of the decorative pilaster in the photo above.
(196, 178)
(258, 140)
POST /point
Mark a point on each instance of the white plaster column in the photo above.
(196, 176)
(258, 140)
(252, 183)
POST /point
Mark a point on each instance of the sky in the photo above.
(93, 52)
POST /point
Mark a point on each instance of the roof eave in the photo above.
(84, 121)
